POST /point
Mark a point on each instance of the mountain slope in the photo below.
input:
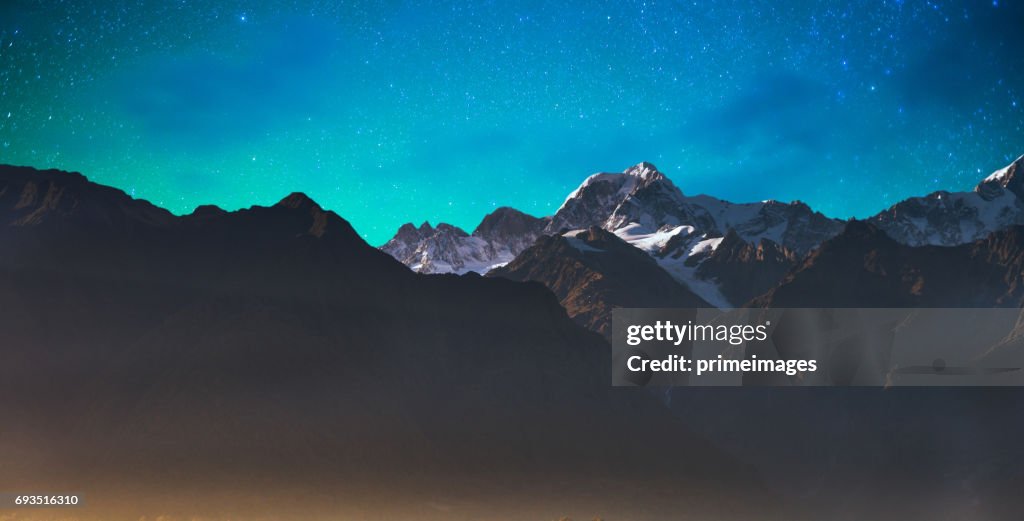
(952, 218)
(448, 249)
(640, 205)
(52, 198)
(743, 270)
(269, 357)
(592, 272)
(864, 267)
(644, 208)
(643, 200)
(271, 349)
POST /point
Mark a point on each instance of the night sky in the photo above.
(397, 111)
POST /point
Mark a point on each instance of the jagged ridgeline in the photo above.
(241, 358)
(270, 350)
(723, 254)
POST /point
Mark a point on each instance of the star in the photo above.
(467, 104)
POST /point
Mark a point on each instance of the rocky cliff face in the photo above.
(744, 270)
(648, 211)
(448, 249)
(640, 205)
(952, 218)
(508, 231)
(682, 233)
(642, 199)
(864, 267)
(592, 272)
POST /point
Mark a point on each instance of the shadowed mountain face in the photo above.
(743, 270)
(268, 364)
(864, 267)
(592, 272)
(271, 348)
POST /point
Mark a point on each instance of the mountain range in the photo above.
(725, 254)
(251, 357)
(271, 349)
(591, 269)
(448, 249)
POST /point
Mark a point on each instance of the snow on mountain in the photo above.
(672, 247)
(449, 249)
(592, 272)
(639, 205)
(444, 249)
(640, 195)
(1008, 177)
(793, 225)
(647, 202)
(952, 218)
(644, 208)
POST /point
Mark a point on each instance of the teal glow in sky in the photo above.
(397, 111)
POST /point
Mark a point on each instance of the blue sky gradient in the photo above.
(397, 111)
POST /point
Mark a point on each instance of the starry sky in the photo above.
(394, 111)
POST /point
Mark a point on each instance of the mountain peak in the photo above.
(1008, 177)
(1003, 173)
(31, 197)
(639, 194)
(645, 170)
(503, 212)
(451, 229)
(506, 223)
(207, 210)
(408, 232)
(298, 200)
(497, 240)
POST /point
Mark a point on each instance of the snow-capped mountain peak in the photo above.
(639, 194)
(1008, 177)
(647, 210)
(951, 218)
(641, 206)
(443, 249)
(449, 249)
(645, 171)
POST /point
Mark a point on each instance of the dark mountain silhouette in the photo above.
(592, 272)
(269, 360)
(864, 267)
(271, 346)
